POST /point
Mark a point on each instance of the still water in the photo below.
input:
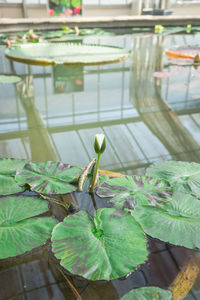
(53, 114)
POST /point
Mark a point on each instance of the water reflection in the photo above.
(53, 114)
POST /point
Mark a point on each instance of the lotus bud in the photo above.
(99, 143)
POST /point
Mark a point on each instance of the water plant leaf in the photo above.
(20, 230)
(129, 191)
(183, 176)
(65, 53)
(178, 222)
(48, 177)
(148, 293)
(109, 246)
(8, 168)
(9, 79)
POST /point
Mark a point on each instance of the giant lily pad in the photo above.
(129, 191)
(49, 177)
(183, 176)
(65, 53)
(178, 222)
(148, 293)
(106, 247)
(8, 168)
(19, 231)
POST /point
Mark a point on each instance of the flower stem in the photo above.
(95, 174)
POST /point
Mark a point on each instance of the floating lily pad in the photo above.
(19, 231)
(130, 191)
(48, 177)
(8, 168)
(109, 246)
(9, 79)
(65, 53)
(178, 222)
(183, 176)
(148, 293)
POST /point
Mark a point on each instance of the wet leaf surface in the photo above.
(178, 222)
(49, 177)
(109, 246)
(8, 168)
(183, 176)
(20, 230)
(148, 293)
(130, 191)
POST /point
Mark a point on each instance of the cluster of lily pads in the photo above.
(163, 204)
(36, 37)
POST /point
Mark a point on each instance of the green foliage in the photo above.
(9, 79)
(106, 247)
(65, 53)
(178, 222)
(130, 191)
(183, 176)
(148, 293)
(49, 177)
(20, 231)
(76, 3)
(8, 168)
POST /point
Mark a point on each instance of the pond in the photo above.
(147, 106)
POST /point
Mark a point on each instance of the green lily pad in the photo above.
(9, 79)
(109, 246)
(130, 191)
(65, 53)
(48, 177)
(183, 176)
(148, 293)
(178, 222)
(20, 231)
(8, 168)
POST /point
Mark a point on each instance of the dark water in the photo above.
(54, 113)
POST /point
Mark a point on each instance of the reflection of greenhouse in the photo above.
(61, 126)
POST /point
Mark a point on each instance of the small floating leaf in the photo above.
(148, 293)
(8, 168)
(129, 191)
(9, 79)
(183, 176)
(19, 231)
(49, 177)
(109, 246)
(177, 222)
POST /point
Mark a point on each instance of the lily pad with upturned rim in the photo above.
(65, 53)
(178, 222)
(148, 293)
(49, 177)
(183, 176)
(107, 247)
(130, 191)
(20, 230)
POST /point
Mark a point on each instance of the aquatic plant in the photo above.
(65, 53)
(112, 242)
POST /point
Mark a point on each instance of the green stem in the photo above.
(95, 174)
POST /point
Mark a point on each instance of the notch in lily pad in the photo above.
(108, 246)
(20, 229)
(131, 191)
(49, 177)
